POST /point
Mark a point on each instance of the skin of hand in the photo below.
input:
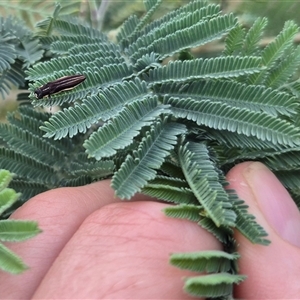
(95, 246)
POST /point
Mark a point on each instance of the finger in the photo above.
(273, 270)
(121, 252)
(59, 213)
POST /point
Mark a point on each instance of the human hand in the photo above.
(94, 246)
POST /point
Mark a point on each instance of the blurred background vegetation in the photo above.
(110, 14)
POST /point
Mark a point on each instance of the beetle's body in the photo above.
(61, 84)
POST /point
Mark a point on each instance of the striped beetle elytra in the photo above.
(61, 84)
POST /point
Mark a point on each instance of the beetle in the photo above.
(61, 84)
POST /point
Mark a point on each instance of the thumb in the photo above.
(273, 271)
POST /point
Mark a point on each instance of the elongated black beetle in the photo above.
(61, 84)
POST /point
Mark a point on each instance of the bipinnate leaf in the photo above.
(10, 262)
(212, 285)
(17, 230)
(203, 180)
(141, 167)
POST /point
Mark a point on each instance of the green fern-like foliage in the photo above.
(18, 50)
(12, 230)
(33, 11)
(169, 128)
(28, 154)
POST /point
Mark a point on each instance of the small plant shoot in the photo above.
(155, 118)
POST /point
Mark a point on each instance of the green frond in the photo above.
(34, 10)
(169, 192)
(184, 211)
(11, 231)
(18, 50)
(170, 189)
(68, 122)
(26, 167)
(172, 168)
(31, 51)
(214, 68)
(185, 34)
(10, 262)
(221, 116)
(230, 140)
(285, 165)
(153, 118)
(106, 75)
(103, 106)
(69, 31)
(75, 27)
(82, 40)
(121, 130)
(72, 40)
(290, 178)
(275, 50)
(96, 170)
(246, 222)
(64, 47)
(284, 160)
(182, 11)
(204, 261)
(45, 26)
(28, 188)
(103, 49)
(292, 87)
(109, 102)
(14, 29)
(80, 180)
(253, 36)
(30, 145)
(28, 118)
(15, 75)
(167, 181)
(68, 9)
(285, 69)
(283, 41)
(8, 55)
(234, 41)
(8, 196)
(296, 197)
(128, 27)
(151, 6)
(221, 233)
(213, 285)
(269, 156)
(14, 32)
(39, 163)
(181, 21)
(203, 179)
(147, 62)
(253, 97)
(138, 169)
(5, 179)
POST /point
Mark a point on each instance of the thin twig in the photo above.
(100, 13)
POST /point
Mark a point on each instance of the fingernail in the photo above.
(275, 202)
